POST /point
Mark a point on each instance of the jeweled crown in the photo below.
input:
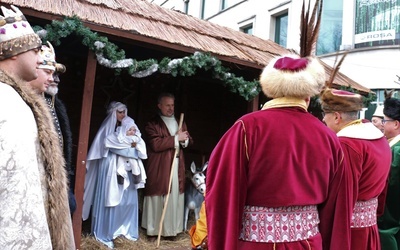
(16, 34)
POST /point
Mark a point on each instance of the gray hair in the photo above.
(350, 115)
(165, 94)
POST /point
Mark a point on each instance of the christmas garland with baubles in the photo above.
(109, 55)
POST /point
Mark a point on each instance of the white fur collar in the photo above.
(361, 130)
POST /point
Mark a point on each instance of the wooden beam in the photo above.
(84, 128)
(253, 104)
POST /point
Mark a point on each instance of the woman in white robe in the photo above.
(109, 220)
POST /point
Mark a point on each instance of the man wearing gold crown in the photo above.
(33, 182)
(367, 155)
(45, 69)
(62, 124)
(47, 84)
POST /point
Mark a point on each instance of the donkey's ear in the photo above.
(193, 167)
(205, 166)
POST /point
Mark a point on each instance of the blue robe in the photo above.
(123, 219)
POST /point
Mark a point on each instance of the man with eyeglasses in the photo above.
(389, 222)
(387, 120)
(367, 155)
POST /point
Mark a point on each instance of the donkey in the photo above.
(194, 192)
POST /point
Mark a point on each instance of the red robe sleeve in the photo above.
(226, 175)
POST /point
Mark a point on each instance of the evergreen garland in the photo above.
(109, 55)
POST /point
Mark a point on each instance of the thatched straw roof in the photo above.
(139, 17)
(142, 21)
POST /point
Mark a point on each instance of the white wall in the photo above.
(374, 67)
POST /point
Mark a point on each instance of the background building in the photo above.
(369, 30)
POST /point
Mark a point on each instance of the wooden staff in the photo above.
(169, 185)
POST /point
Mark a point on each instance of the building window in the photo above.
(248, 29)
(377, 23)
(228, 3)
(209, 8)
(330, 35)
(186, 6)
(380, 96)
(281, 26)
(380, 99)
(202, 8)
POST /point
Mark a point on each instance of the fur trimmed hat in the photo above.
(292, 76)
(378, 111)
(16, 34)
(392, 108)
(60, 68)
(340, 100)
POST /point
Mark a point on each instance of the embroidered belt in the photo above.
(364, 213)
(281, 224)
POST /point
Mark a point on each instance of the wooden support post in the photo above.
(84, 128)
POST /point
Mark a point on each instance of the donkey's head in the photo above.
(198, 177)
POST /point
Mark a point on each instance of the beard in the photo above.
(52, 90)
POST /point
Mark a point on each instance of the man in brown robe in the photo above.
(163, 138)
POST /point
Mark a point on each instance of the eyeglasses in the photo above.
(384, 121)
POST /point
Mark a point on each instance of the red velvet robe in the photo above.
(368, 155)
(272, 158)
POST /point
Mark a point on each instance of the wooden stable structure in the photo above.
(144, 30)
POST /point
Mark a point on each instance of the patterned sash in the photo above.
(281, 224)
(364, 213)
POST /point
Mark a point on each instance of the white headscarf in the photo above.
(119, 139)
(97, 149)
(126, 124)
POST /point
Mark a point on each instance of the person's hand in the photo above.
(183, 135)
(133, 144)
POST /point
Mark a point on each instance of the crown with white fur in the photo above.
(292, 76)
(16, 34)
